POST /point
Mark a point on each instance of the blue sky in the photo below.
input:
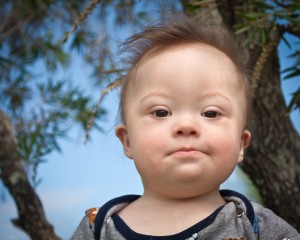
(85, 176)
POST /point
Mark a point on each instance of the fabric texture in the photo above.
(238, 219)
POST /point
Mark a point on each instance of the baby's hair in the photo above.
(182, 30)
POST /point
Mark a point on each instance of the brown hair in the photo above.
(176, 31)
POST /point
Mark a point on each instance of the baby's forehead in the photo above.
(182, 50)
(237, 83)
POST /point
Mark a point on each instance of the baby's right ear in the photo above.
(122, 134)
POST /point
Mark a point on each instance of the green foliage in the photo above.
(42, 108)
(191, 7)
(292, 73)
(61, 106)
(295, 101)
(263, 20)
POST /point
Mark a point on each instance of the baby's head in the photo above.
(183, 31)
(185, 108)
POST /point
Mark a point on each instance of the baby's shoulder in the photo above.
(91, 214)
(271, 223)
(85, 230)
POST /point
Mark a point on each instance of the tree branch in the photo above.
(81, 18)
(262, 59)
(104, 92)
(32, 218)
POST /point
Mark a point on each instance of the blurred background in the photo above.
(57, 57)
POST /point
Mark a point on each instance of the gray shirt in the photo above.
(238, 219)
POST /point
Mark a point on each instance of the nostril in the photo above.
(186, 127)
(193, 133)
(180, 132)
(186, 132)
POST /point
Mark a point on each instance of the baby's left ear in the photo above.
(246, 138)
(245, 141)
(122, 134)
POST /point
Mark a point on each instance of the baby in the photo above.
(185, 110)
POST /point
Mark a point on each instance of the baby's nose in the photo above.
(187, 126)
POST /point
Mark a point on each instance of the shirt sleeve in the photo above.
(85, 230)
(272, 226)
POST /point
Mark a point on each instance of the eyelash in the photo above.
(161, 113)
(158, 112)
(208, 114)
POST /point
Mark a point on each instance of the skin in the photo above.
(185, 132)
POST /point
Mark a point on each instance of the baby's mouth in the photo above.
(187, 152)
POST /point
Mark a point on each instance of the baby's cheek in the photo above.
(155, 138)
(149, 144)
(226, 147)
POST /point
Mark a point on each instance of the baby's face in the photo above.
(184, 120)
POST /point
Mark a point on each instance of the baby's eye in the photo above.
(161, 113)
(210, 114)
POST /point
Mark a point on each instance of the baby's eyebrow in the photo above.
(202, 96)
(155, 94)
(216, 94)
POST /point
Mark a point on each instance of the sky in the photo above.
(88, 175)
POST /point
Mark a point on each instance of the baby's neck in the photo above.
(162, 216)
(211, 200)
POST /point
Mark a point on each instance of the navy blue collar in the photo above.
(130, 198)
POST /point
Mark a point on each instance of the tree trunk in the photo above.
(31, 214)
(273, 158)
